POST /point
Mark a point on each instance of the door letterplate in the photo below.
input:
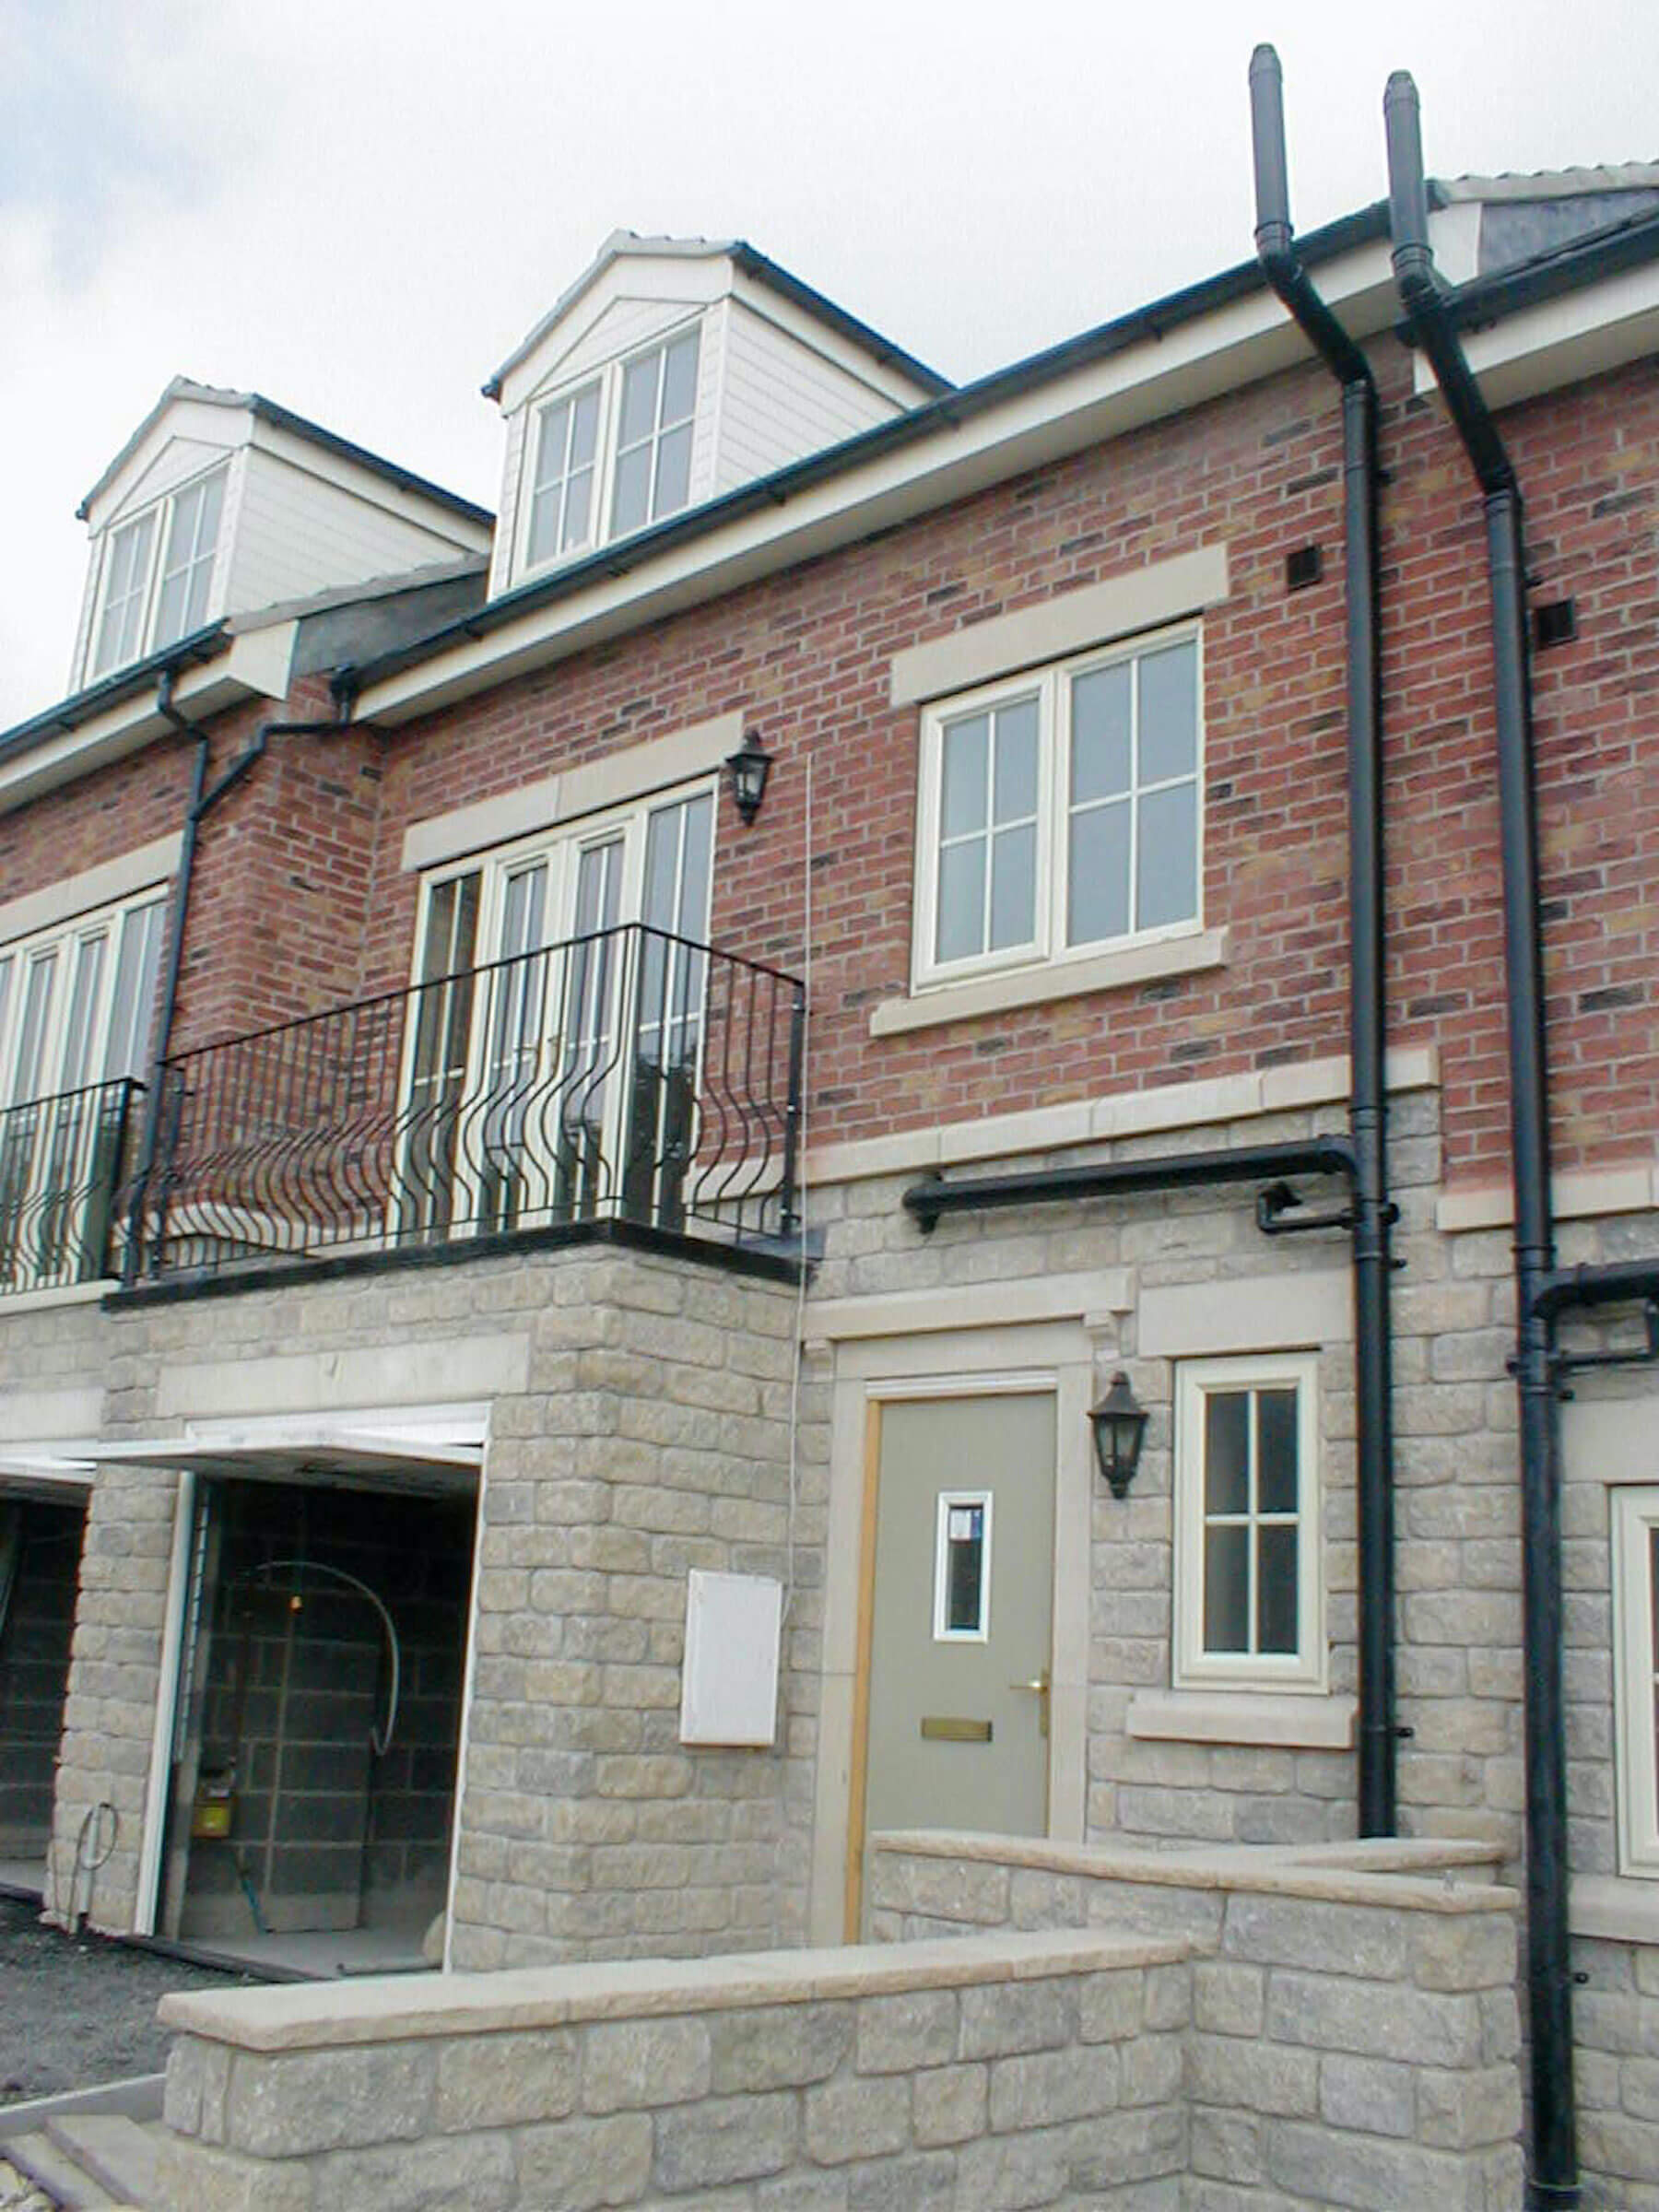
(944, 1728)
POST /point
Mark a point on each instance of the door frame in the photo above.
(966, 1352)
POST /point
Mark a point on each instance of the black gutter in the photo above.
(1373, 1211)
(1603, 1283)
(933, 417)
(1590, 259)
(205, 644)
(1553, 2178)
(1129, 1178)
(204, 798)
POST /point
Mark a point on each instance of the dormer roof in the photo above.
(623, 245)
(254, 404)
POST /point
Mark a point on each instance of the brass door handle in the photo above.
(1039, 1686)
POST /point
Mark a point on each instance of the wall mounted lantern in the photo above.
(750, 765)
(1119, 1422)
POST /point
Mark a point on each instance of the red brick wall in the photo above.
(301, 901)
(805, 657)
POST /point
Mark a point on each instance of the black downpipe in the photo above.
(204, 798)
(1553, 2179)
(1373, 1213)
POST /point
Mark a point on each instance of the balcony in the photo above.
(628, 1076)
(62, 1161)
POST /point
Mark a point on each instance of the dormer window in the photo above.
(614, 454)
(654, 440)
(187, 572)
(142, 610)
(561, 506)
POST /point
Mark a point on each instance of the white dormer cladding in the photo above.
(222, 505)
(669, 374)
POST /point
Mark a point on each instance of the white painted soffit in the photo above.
(328, 1453)
(255, 666)
(47, 1470)
(1562, 341)
(1234, 346)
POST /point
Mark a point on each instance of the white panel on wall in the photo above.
(298, 533)
(180, 458)
(729, 1686)
(782, 399)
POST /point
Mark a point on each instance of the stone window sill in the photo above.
(1206, 1716)
(1059, 979)
(1619, 1907)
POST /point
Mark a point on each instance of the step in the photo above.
(70, 2187)
(117, 2152)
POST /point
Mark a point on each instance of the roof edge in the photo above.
(201, 645)
(944, 412)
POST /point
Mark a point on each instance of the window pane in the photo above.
(1227, 1589)
(586, 429)
(692, 920)
(1097, 891)
(961, 930)
(633, 488)
(1275, 1590)
(1226, 1452)
(1654, 1594)
(639, 399)
(579, 502)
(1169, 713)
(679, 379)
(1099, 742)
(1013, 888)
(134, 995)
(1016, 786)
(673, 471)
(1276, 1452)
(76, 1058)
(550, 451)
(521, 906)
(37, 1002)
(1166, 877)
(963, 777)
(964, 1570)
(123, 599)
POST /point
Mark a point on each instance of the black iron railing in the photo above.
(62, 1162)
(627, 1075)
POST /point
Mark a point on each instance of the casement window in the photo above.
(1061, 812)
(1635, 1533)
(553, 1049)
(159, 573)
(1249, 1601)
(75, 1002)
(75, 1008)
(614, 453)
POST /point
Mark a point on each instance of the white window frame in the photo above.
(158, 514)
(1306, 1669)
(943, 1632)
(1634, 1520)
(560, 850)
(1052, 688)
(608, 380)
(64, 939)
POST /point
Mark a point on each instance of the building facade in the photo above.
(552, 1254)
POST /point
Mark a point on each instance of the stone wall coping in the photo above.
(1389, 1872)
(395, 2007)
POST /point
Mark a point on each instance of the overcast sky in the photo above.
(358, 207)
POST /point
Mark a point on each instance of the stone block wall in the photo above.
(1354, 2033)
(638, 1427)
(1015, 2070)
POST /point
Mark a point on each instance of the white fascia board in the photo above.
(691, 281)
(1246, 340)
(257, 667)
(201, 421)
(1562, 341)
(435, 516)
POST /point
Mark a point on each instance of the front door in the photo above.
(960, 1616)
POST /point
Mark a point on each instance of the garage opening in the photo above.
(318, 1718)
(40, 1572)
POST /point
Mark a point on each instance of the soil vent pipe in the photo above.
(1553, 2179)
(1373, 1213)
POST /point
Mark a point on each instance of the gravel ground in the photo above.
(78, 2010)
